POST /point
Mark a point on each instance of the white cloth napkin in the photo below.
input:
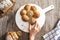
(54, 34)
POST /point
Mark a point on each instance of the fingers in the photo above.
(35, 25)
(30, 26)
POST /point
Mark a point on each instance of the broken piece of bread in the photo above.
(13, 35)
(6, 5)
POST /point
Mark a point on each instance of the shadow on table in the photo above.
(3, 37)
(56, 23)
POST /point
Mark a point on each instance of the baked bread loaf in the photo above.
(5, 6)
(27, 7)
(23, 12)
(29, 14)
(25, 18)
(32, 20)
(13, 1)
(33, 8)
(36, 14)
(13, 35)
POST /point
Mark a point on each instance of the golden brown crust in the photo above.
(13, 35)
(23, 12)
(33, 8)
(30, 14)
(13, 1)
(25, 18)
(8, 9)
(36, 14)
(19, 33)
(9, 37)
(32, 21)
(27, 7)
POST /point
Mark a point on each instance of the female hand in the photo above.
(34, 30)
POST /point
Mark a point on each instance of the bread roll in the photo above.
(25, 18)
(9, 37)
(23, 12)
(19, 33)
(13, 1)
(30, 13)
(36, 14)
(13, 35)
(6, 6)
(33, 8)
(32, 21)
(27, 7)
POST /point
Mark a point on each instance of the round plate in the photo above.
(24, 26)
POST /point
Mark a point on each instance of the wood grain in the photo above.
(7, 23)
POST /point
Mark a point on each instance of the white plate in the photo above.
(25, 25)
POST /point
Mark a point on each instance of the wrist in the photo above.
(32, 34)
(32, 37)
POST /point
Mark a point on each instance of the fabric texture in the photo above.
(54, 34)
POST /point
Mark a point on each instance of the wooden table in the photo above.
(7, 23)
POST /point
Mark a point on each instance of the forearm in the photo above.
(32, 37)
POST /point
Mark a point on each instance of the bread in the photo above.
(19, 33)
(25, 18)
(13, 1)
(9, 37)
(7, 8)
(36, 14)
(27, 7)
(13, 35)
(33, 8)
(30, 13)
(23, 12)
(32, 21)
(6, 5)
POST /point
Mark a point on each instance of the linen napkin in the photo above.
(54, 34)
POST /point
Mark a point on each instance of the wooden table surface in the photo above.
(7, 23)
